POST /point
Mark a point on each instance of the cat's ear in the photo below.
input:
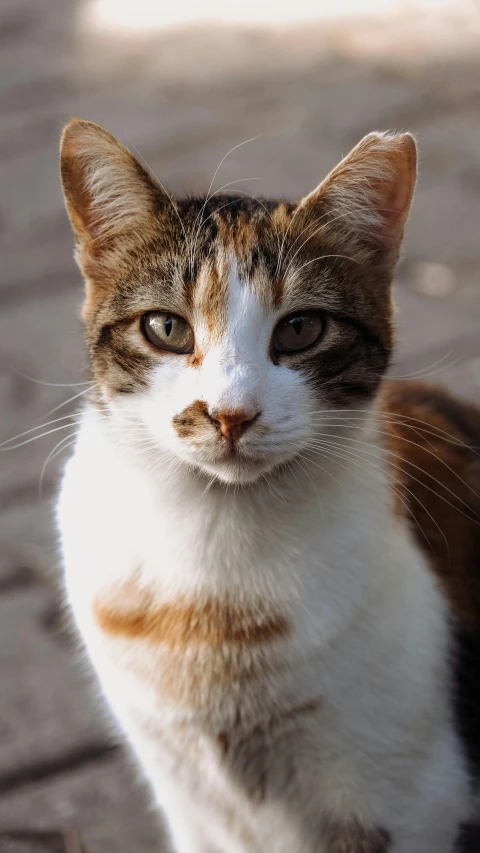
(107, 192)
(368, 195)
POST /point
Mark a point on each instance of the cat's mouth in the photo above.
(237, 469)
(226, 453)
(236, 456)
(236, 464)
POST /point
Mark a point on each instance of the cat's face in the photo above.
(222, 330)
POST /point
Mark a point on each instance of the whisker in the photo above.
(43, 435)
(196, 230)
(280, 254)
(50, 384)
(208, 486)
(419, 431)
(417, 373)
(297, 210)
(40, 426)
(401, 420)
(59, 447)
(409, 474)
(70, 400)
(170, 198)
(326, 471)
(421, 374)
(322, 258)
(430, 452)
(207, 197)
(307, 472)
(7, 444)
(299, 236)
(368, 466)
(317, 231)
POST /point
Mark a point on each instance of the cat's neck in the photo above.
(331, 512)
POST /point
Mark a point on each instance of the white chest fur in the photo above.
(347, 713)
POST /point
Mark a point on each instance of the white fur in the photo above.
(319, 541)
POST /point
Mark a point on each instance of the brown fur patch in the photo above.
(249, 749)
(431, 440)
(433, 444)
(310, 706)
(194, 419)
(353, 837)
(181, 624)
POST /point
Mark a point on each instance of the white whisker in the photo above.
(70, 400)
(49, 384)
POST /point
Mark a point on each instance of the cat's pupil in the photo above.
(297, 324)
(168, 326)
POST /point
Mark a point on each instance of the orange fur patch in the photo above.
(211, 297)
(211, 622)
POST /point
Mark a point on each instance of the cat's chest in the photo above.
(188, 655)
(195, 599)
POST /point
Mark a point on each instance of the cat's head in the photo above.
(222, 329)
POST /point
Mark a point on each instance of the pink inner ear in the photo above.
(403, 184)
(401, 204)
(372, 187)
(106, 190)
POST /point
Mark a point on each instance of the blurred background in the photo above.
(183, 84)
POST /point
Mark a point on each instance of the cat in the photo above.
(271, 552)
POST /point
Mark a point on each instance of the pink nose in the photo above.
(233, 424)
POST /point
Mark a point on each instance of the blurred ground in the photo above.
(184, 99)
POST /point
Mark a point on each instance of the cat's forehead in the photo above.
(228, 240)
(202, 251)
(226, 304)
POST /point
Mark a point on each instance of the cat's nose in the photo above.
(233, 424)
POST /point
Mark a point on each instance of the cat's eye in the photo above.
(298, 331)
(168, 332)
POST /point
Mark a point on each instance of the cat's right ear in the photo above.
(368, 195)
(107, 192)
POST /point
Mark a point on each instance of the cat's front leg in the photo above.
(186, 839)
(187, 833)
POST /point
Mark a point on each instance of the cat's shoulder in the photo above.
(432, 442)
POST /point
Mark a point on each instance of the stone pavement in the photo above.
(185, 99)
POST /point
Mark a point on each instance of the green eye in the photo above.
(168, 332)
(298, 331)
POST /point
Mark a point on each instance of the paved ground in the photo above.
(184, 100)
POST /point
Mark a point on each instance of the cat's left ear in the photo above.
(368, 195)
(107, 191)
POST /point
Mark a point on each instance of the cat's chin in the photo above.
(238, 472)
